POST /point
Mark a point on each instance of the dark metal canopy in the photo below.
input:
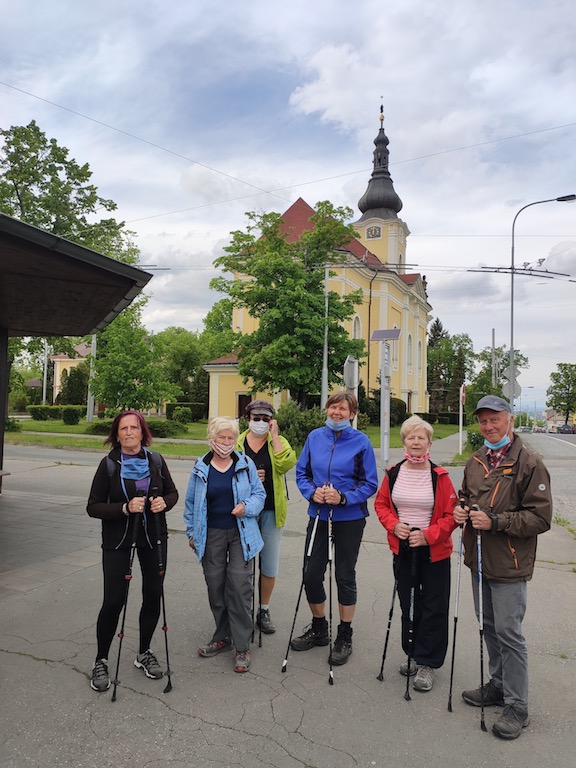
(53, 287)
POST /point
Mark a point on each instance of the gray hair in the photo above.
(415, 422)
(219, 423)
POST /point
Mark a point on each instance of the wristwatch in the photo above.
(494, 518)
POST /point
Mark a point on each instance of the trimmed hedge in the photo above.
(197, 410)
(44, 412)
(158, 427)
(71, 414)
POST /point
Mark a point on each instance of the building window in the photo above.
(409, 354)
(419, 359)
(356, 328)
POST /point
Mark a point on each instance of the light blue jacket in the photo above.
(246, 487)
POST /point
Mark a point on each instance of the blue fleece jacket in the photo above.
(345, 459)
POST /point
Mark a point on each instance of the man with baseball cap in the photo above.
(505, 498)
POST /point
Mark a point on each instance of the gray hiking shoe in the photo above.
(265, 622)
(149, 664)
(100, 680)
(404, 667)
(214, 647)
(510, 723)
(424, 679)
(242, 661)
(489, 695)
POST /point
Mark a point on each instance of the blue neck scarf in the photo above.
(337, 426)
(500, 444)
(134, 468)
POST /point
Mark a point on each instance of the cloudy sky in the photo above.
(191, 114)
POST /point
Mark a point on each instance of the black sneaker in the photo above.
(100, 680)
(489, 696)
(149, 663)
(314, 634)
(265, 622)
(342, 648)
(510, 723)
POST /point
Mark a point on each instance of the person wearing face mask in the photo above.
(415, 504)
(273, 457)
(508, 502)
(223, 501)
(337, 474)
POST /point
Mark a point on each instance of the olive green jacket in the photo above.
(282, 461)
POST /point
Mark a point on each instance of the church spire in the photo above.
(380, 200)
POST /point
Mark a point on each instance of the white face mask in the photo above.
(259, 428)
(221, 450)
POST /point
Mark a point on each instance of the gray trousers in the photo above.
(229, 581)
(504, 606)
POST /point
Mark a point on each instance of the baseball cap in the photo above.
(259, 408)
(493, 403)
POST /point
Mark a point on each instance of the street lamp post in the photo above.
(563, 199)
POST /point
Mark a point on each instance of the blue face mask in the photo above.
(500, 444)
(338, 426)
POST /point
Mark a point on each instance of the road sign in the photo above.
(506, 390)
(506, 373)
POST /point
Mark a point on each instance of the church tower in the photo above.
(379, 227)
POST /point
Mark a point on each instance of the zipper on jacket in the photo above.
(510, 547)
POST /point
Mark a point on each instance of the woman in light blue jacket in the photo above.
(223, 501)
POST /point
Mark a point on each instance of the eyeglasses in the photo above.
(260, 418)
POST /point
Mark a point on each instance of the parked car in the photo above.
(538, 429)
(565, 429)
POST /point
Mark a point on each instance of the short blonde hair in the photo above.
(219, 423)
(413, 423)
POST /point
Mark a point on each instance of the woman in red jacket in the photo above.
(415, 504)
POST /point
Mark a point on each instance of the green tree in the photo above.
(482, 382)
(177, 352)
(41, 185)
(450, 364)
(218, 338)
(281, 284)
(126, 372)
(74, 385)
(561, 394)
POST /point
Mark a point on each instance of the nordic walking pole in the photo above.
(480, 621)
(253, 596)
(390, 614)
(330, 554)
(161, 572)
(457, 601)
(259, 600)
(128, 579)
(413, 555)
(307, 556)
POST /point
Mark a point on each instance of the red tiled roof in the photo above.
(297, 219)
(224, 360)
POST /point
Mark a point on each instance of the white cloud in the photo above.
(289, 101)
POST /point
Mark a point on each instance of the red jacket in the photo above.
(439, 532)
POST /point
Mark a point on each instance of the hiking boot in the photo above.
(488, 695)
(424, 679)
(314, 634)
(342, 648)
(510, 723)
(265, 622)
(100, 680)
(149, 663)
(242, 661)
(404, 667)
(214, 647)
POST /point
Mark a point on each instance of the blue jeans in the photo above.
(504, 606)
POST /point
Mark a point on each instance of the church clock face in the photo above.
(374, 232)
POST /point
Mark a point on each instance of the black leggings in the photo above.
(115, 564)
(347, 540)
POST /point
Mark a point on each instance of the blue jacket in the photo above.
(345, 459)
(246, 487)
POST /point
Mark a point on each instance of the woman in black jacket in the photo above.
(131, 492)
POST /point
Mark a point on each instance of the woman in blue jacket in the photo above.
(223, 501)
(337, 473)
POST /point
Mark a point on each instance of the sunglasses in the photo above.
(260, 418)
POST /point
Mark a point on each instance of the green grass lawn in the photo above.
(67, 436)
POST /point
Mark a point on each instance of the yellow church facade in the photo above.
(392, 299)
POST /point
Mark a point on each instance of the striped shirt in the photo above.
(413, 497)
